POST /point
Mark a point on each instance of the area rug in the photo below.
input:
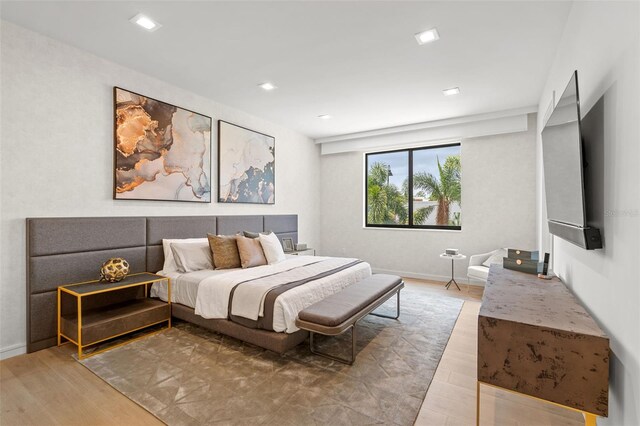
(190, 376)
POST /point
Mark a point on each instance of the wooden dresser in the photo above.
(535, 338)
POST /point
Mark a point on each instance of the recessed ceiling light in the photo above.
(324, 117)
(145, 22)
(427, 36)
(452, 91)
(267, 86)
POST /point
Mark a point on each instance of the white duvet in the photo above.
(214, 288)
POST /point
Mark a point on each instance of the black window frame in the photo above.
(410, 225)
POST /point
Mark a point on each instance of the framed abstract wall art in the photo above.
(246, 165)
(162, 152)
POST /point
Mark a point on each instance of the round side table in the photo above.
(453, 258)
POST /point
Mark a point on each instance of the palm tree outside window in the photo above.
(414, 188)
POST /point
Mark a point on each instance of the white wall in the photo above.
(57, 154)
(602, 41)
(498, 209)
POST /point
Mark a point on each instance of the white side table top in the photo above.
(453, 256)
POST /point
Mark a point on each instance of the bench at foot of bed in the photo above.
(341, 311)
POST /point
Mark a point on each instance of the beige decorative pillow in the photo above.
(224, 251)
(250, 251)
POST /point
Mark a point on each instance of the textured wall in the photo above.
(498, 209)
(606, 281)
(57, 154)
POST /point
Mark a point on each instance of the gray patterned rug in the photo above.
(189, 376)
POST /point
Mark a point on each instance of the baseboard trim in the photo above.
(442, 278)
(13, 350)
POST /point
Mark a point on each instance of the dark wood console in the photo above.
(535, 338)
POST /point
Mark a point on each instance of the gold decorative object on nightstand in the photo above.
(114, 270)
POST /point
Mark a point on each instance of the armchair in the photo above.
(478, 271)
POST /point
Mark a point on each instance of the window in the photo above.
(414, 188)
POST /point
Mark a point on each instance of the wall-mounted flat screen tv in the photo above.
(562, 153)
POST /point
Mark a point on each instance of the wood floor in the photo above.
(451, 399)
(50, 388)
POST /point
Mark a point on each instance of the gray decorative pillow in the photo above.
(250, 234)
(224, 250)
(251, 253)
(495, 258)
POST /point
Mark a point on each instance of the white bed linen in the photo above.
(184, 286)
(213, 292)
(208, 291)
(290, 303)
(249, 298)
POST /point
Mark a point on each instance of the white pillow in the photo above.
(169, 262)
(272, 248)
(495, 258)
(191, 257)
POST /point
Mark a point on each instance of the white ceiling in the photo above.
(357, 61)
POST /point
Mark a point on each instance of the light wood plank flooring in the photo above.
(49, 388)
(451, 399)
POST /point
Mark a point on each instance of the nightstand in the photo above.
(94, 311)
(306, 252)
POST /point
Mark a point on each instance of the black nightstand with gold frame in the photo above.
(93, 312)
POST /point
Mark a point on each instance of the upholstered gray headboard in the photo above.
(68, 250)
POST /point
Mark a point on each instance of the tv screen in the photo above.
(562, 160)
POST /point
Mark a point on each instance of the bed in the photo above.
(64, 250)
(240, 294)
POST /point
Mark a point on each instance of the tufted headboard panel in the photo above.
(67, 250)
